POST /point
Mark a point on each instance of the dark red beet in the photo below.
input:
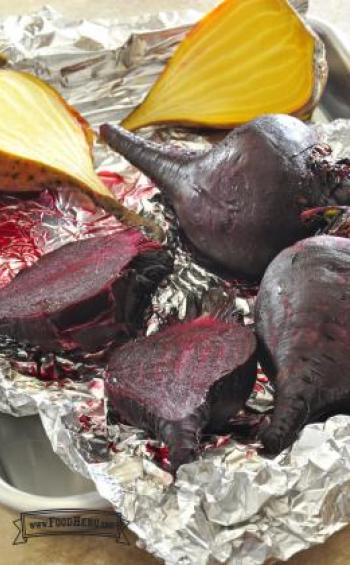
(240, 202)
(185, 379)
(303, 326)
(85, 294)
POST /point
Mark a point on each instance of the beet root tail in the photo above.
(289, 417)
(182, 439)
(164, 165)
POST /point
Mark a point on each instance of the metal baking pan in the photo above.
(335, 102)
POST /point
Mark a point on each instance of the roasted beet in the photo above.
(185, 379)
(239, 203)
(303, 326)
(85, 294)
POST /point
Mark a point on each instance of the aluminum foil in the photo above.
(232, 505)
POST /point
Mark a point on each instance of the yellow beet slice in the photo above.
(244, 59)
(44, 142)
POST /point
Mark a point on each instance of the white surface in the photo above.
(24, 501)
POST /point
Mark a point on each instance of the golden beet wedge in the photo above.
(44, 143)
(244, 59)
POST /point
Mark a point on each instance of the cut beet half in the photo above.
(184, 380)
(85, 294)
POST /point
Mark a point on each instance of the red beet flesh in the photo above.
(85, 294)
(303, 326)
(239, 203)
(185, 379)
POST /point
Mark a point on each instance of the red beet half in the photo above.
(303, 326)
(239, 203)
(188, 378)
(85, 294)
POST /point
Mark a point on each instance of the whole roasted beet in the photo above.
(85, 294)
(185, 379)
(240, 202)
(303, 326)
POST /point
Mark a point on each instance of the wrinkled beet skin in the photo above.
(239, 203)
(187, 378)
(84, 295)
(303, 329)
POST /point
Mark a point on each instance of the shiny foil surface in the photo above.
(232, 505)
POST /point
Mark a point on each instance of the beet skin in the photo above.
(303, 326)
(183, 380)
(239, 203)
(85, 294)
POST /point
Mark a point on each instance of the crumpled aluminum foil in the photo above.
(231, 506)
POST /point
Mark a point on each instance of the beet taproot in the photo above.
(86, 294)
(186, 379)
(240, 202)
(303, 327)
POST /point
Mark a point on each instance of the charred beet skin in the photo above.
(303, 326)
(85, 294)
(240, 202)
(185, 379)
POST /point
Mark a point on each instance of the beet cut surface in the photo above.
(184, 380)
(303, 327)
(85, 294)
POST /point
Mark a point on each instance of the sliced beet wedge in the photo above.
(85, 294)
(184, 380)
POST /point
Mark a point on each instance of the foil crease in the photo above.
(232, 505)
